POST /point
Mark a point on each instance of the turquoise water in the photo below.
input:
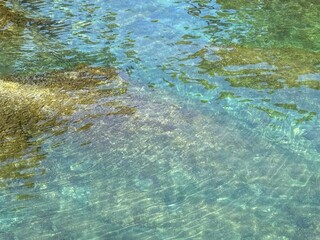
(224, 141)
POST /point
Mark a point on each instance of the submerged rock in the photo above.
(11, 19)
(30, 106)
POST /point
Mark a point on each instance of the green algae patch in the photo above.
(25, 197)
(225, 95)
(188, 36)
(31, 106)
(11, 19)
(169, 84)
(306, 118)
(272, 113)
(185, 78)
(260, 69)
(25, 110)
(291, 106)
(270, 23)
(184, 42)
(85, 127)
(17, 28)
(263, 70)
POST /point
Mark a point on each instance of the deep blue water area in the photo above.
(224, 138)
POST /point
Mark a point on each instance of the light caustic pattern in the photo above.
(172, 120)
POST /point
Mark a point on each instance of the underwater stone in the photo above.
(31, 106)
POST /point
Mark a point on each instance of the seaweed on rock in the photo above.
(30, 106)
(11, 18)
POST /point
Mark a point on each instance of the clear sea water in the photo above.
(224, 142)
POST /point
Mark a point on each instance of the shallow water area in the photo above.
(207, 128)
(168, 166)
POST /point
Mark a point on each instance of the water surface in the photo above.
(208, 130)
